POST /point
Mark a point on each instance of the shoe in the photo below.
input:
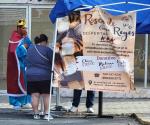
(41, 113)
(36, 116)
(17, 107)
(90, 110)
(73, 109)
(46, 117)
(27, 106)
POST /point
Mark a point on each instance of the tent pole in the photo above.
(104, 5)
(146, 59)
(57, 96)
(113, 10)
(139, 4)
(102, 8)
(112, 4)
(52, 73)
(140, 10)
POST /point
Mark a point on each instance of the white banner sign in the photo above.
(100, 64)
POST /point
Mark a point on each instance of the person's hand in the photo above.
(26, 45)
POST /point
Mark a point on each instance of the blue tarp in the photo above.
(63, 7)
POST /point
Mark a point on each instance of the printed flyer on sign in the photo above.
(95, 51)
(69, 45)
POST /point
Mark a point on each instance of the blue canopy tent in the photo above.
(115, 7)
(63, 7)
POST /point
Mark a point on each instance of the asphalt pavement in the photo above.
(115, 111)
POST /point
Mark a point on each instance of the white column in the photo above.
(146, 59)
(29, 20)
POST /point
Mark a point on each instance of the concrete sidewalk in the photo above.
(138, 108)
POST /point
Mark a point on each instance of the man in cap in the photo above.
(16, 86)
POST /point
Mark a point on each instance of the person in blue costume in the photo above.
(22, 100)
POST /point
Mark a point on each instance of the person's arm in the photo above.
(27, 42)
(21, 51)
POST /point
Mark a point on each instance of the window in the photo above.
(40, 23)
(8, 18)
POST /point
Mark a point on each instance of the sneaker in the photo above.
(36, 116)
(73, 109)
(46, 117)
(27, 106)
(41, 113)
(17, 107)
(90, 110)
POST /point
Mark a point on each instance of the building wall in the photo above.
(37, 17)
